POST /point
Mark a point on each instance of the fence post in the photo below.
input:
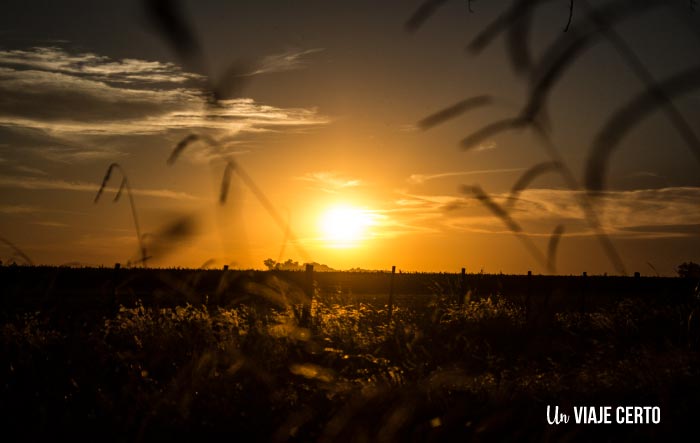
(113, 284)
(309, 290)
(391, 292)
(528, 292)
(584, 287)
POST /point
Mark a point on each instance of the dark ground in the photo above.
(170, 355)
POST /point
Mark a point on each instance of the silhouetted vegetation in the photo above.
(291, 265)
(244, 368)
(595, 24)
(689, 270)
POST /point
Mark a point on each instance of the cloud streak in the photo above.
(95, 67)
(70, 155)
(34, 183)
(286, 61)
(418, 179)
(18, 209)
(649, 213)
(330, 182)
(63, 94)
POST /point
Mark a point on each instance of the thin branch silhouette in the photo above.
(653, 268)
(270, 208)
(520, 9)
(629, 116)
(567, 49)
(169, 19)
(17, 251)
(226, 182)
(552, 246)
(167, 237)
(120, 190)
(231, 167)
(571, 15)
(171, 22)
(572, 183)
(422, 14)
(489, 131)
(584, 201)
(454, 111)
(512, 225)
(134, 214)
(180, 147)
(176, 30)
(597, 23)
(528, 176)
(518, 37)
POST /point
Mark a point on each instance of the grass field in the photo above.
(249, 367)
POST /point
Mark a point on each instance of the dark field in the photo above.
(142, 355)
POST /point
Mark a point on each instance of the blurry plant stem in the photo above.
(144, 257)
(674, 115)
(583, 200)
(269, 207)
(17, 251)
(125, 185)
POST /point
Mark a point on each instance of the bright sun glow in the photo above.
(345, 226)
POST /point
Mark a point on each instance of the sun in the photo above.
(345, 226)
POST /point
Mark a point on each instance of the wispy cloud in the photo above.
(18, 209)
(57, 100)
(50, 224)
(649, 213)
(63, 94)
(286, 61)
(485, 146)
(330, 182)
(15, 166)
(417, 179)
(391, 223)
(63, 185)
(93, 66)
(29, 170)
(68, 154)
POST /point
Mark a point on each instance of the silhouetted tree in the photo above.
(689, 270)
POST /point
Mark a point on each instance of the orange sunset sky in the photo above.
(324, 121)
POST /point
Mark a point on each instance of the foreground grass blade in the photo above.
(528, 176)
(422, 14)
(168, 18)
(226, 182)
(105, 179)
(134, 214)
(454, 111)
(180, 147)
(513, 225)
(17, 251)
(566, 50)
(503, 23)
(630, 115)
(552, 248)
(484, 134)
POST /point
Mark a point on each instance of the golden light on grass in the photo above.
(345, 226)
